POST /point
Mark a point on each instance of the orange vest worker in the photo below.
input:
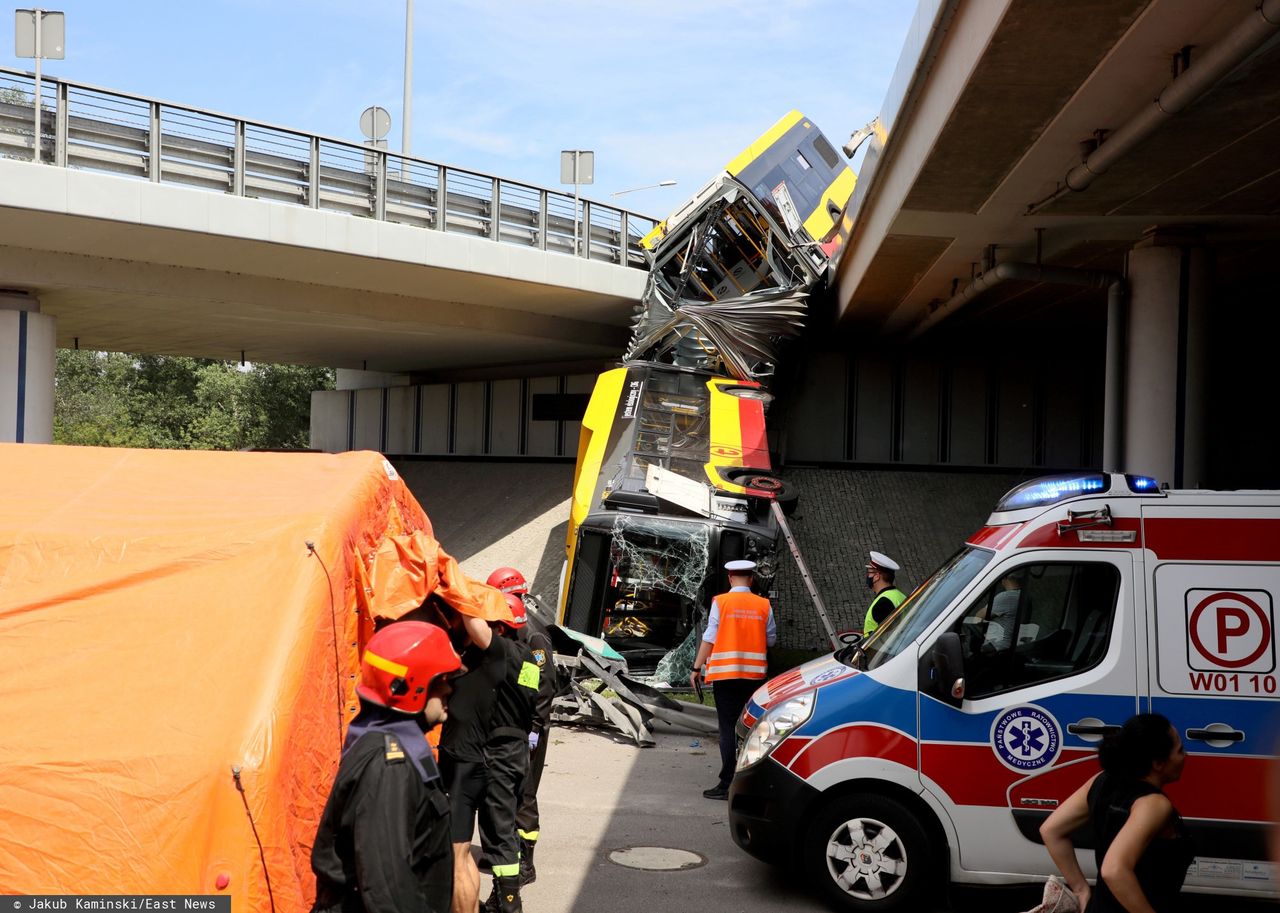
(742, 640)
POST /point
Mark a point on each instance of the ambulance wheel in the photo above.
(868, 853)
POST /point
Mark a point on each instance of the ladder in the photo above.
(804, 572)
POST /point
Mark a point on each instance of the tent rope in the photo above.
(333, 625)
(244, 797)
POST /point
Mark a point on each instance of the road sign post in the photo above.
(577, 166)
(39, 33)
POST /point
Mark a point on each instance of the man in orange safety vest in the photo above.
(733, 657)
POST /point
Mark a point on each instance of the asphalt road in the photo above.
(601, 795)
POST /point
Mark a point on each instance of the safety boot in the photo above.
(528, 874)
(506, 889)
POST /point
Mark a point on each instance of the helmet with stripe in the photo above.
(519, 616)
(400, 663)
(509, 580)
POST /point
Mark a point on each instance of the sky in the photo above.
(660, 90)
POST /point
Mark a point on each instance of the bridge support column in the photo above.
(28, 357)
(1166, 341)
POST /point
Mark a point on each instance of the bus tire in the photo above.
(783, 492)
(868, 853)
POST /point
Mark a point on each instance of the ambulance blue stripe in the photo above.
(862, 699)
(1257, 718)
(944, 723)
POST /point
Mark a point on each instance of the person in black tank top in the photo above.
(1143, 849)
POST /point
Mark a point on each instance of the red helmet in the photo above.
(518, 615)
(509, 580)
(400, 663)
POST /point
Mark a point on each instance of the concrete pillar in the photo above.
(1166, 349)
(28, 358)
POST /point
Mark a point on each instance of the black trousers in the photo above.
(506, 762)
(731, 696)
(527, 816)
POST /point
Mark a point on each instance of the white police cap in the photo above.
(742, 565)
(880, 559)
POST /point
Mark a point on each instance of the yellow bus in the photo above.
(793, 171)
(672, 480)
(673, 474)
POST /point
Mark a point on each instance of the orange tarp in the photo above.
(163, 622)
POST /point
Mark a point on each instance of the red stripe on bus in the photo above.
(755, 442)
(1217, 539)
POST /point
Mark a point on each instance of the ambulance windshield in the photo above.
(918, 612)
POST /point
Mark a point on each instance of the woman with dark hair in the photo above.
(1143, 849)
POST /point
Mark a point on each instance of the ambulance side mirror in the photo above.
(942, 673)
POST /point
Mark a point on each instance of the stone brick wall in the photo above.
(917, 518)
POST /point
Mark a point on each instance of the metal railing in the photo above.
(94, 129)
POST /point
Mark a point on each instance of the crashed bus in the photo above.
(673, 475)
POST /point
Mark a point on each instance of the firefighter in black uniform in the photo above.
(383, 840)
(506, 755)
(495, 663)
(512, 582)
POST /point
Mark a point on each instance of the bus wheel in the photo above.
(868, 853)
(785, 494)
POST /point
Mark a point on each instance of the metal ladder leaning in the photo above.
(804, 573)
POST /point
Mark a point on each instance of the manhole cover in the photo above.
(656, 858)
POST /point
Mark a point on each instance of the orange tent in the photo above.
(180, 634)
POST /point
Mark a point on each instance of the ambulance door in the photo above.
(1214, 675)
(1048, 650)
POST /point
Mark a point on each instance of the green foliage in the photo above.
(109, 399)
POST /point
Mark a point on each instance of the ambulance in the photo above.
(935, 748)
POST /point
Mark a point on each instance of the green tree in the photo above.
(117, 400)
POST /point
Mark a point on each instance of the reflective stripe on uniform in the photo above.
(529, 675)
(751, 671)
(506, 871)
(740, 648)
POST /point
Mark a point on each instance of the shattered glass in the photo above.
(661, 555)
(674, 668)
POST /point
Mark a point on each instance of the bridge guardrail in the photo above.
(95, 129)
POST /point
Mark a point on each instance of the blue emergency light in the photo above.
(1052, 489)
(1142, 485)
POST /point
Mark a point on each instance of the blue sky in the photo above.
(661, 90)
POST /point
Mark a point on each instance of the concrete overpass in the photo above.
(150, 227)
(1037, 155)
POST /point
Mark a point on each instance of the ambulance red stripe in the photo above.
(855, 741)
(1214, 539)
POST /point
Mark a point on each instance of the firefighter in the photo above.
(734, 656)
(512, 582)
(495, 663)
(880, 574)
(383, 840)
(506, 758)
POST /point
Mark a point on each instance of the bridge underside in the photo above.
(129, 266)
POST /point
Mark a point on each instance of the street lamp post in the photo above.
(408, 78)
(618, 193)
